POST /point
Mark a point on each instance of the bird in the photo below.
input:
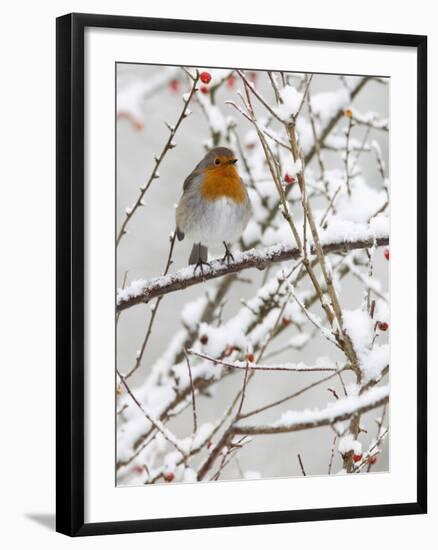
(214, 207)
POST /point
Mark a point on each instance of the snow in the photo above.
(364, 202)
(359, 326)
(321, 363)
(348, 405)
(342, 230)
(219, 338)
(326, 104)
(305, 133)
(201, 437)
(373, 358)
(217, 121)
(380, 224)
(373, 361)
(290, 167)
(192, 312)
(291, 102)
(381, 311)
(371, 118)
(348, 443)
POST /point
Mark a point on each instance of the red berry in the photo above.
(231, 80)
(372, 459)
(250, 357)
(383, 326)
(228, 351)
(252, 76)
(357, 457)
(169, 476)
(289, 179)
(138, 469)
(174, 85)
(204, 339)
(386, 254)
(205, 77)
(286, 322)
(209, 445)
(204, 90)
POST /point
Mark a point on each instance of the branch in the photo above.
(303, 471)
(156, 423)
(335, 119)
(195, 418)
(143, 291)
(287, 367)
(338, 412)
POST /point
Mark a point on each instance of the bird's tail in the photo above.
(198, 254)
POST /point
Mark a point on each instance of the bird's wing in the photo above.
(189, 179)
(244, 186)
(179, 233)
(188, 182)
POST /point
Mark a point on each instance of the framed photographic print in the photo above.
(241, 267)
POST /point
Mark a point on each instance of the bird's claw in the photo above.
(200, 265)
(228, 257)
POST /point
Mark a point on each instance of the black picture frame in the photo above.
(70, 272)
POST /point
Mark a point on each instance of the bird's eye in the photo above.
(217, 161)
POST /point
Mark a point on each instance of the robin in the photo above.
(214, 207)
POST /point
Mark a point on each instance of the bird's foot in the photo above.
(228, 257)
(200, 265)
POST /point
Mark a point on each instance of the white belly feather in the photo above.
(217, 221)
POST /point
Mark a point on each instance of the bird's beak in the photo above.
(232, 161)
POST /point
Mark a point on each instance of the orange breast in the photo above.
(222, 182)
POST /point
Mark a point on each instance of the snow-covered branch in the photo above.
(143, 291)
(294, 421)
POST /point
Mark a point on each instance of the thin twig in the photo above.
(195, 420)
(259, 96)
(303, 471)
(332, 455)
(245, 381)
(257, 367)
(156, 423)
(308, 80)
(125, 277)
(347, 156)
(289, 397)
